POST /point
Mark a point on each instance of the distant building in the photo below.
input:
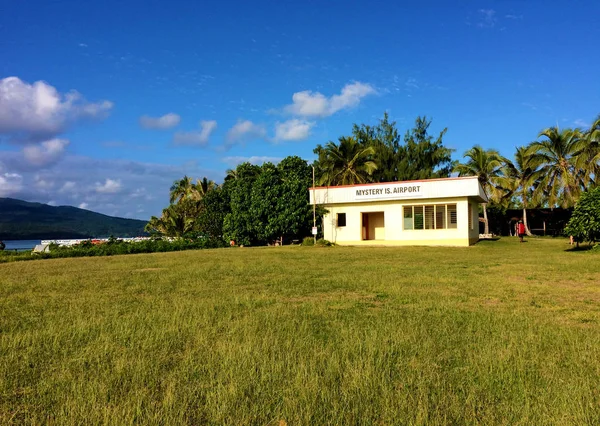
(421, 212)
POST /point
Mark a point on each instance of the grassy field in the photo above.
(497, 333)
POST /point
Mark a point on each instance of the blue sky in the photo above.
(104, 104)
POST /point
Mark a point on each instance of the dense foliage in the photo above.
(584, 224)
(376, 154)
(115, 247)
(552, 171)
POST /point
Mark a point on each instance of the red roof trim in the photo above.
(392, 183)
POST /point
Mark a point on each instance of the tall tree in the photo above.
(589, 158)
(486, 166)
(556, 155)
(238, 223)
(385, 140)
(422, 156)
(518, 178)
(345, 163)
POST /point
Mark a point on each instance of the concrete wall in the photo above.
(393, 232)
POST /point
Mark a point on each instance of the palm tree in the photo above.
(589, 159)
(181, 189)
(518, 178)
(486, 166)
(202, 187)
(558, 158)
(345, 163)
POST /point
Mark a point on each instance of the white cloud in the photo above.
(167, 121)
(487, 18)
(293, 130)
(581, 123)
(43, 184)
(83, 205)
(38, 111)
(196, 138)
(245, 130)
(67, 187)
(46, 152)
(315, 104)
(109, 186)
(10, 183)
(255, 159)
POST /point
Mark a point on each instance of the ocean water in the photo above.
(21, 245)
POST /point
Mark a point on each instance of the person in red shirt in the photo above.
(521, 230)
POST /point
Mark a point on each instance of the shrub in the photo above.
(308, 241)
(584, 224)
(116, 247)
(324, 243)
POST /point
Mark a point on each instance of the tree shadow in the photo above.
(581, 247)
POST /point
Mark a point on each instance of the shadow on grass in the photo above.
(580, 248)
(481, 240)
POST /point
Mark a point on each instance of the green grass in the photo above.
(497, 333)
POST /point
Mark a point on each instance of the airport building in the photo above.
(421, 212)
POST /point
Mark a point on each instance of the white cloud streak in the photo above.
(293, 130)
(167, 121)
(315, 104)
(245, 130)
(46, 152)
(109, 186)
(196, 138)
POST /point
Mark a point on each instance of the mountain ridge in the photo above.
(25, 220)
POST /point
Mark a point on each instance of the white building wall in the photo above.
(389, 198)
(351, 234)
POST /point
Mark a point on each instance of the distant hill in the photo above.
(22, 220)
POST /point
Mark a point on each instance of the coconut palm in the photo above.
(182, 189)
(518, 179)
(558, 157)
(589, 159)
(486, 165)
(202, 187)
(345, 163)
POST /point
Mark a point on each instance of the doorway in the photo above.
(373, 226)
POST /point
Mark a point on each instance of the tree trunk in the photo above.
(485, 218)
(527, 231)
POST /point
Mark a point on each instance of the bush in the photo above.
(308, 241)
(324, 243)
(584, 224)
(116, 247)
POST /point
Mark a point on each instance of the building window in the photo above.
(452, 218)
(341, 219)
(470, 216)
(433, 216)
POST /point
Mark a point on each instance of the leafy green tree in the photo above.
(265, 205)
(238, 224)
(385, 140)
(422, 157)
(215, 206)
(584, 224)
(345, 163)
(419, 157)
(486, 165)
(295, 209)
(556, 156)
(518, 179)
